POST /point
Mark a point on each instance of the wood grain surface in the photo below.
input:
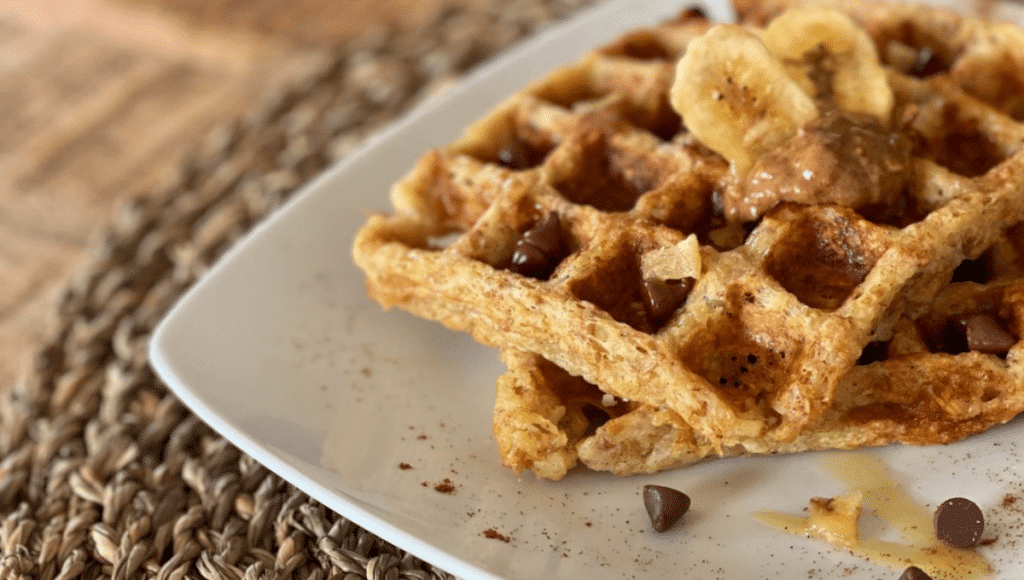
(101, 98)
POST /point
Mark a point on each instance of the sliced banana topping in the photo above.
(737, 97)
(801, 110)
(828, 45)
(742, 94)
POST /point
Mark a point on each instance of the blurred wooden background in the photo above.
(100, 98)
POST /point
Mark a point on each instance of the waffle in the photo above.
(654, 311)
(923, 386)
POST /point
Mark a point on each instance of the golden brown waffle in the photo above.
(923, 386)
(581, 228)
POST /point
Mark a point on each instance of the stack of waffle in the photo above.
(798, 232)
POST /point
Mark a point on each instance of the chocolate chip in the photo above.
(519, 155)
(546, 236)
(665, 506)
(927, 63)
(529, 261)
(514, 155)
(959, 522)
(986, 335)
(914, 573)
(539, 249)
(663, 297)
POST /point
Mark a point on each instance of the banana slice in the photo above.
(736, 97)
(858, 81)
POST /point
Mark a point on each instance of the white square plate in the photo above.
(280, 350)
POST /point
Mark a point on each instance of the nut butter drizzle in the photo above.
(898, 509)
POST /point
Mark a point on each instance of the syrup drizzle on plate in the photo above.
(883, 495)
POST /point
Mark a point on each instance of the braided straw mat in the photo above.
(103, 472)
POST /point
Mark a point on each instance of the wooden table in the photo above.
(99, 99)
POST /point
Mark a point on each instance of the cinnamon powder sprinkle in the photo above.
(446, 486)
(496, 535)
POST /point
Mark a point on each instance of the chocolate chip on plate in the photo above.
(959, 522)
(915, 573)
(986, 335)
(665, 506)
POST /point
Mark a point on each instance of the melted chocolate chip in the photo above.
(987, 336)
(540, 249)
(663, 297)
(951, 337)
(959, 522)
(665, 506)
(914, 573)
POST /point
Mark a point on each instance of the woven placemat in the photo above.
(104, 473)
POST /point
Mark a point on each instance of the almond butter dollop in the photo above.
(841, 158)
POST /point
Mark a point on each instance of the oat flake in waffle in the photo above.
(763, 273)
